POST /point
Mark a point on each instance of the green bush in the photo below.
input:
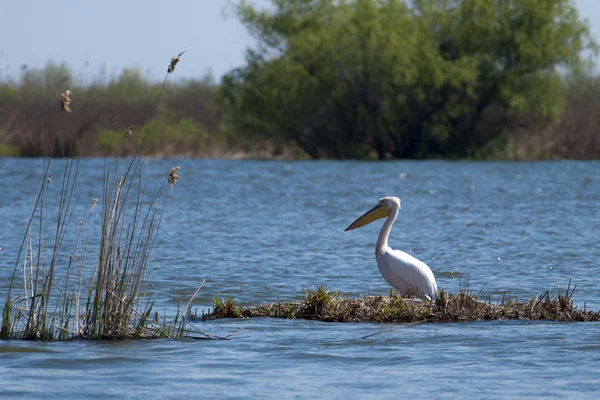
(8, 151)
(169, 129)
(350, 78)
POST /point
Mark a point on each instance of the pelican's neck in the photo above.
(382, 242)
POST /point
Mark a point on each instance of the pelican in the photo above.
(405, 273)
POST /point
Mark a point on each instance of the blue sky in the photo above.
(136, 33)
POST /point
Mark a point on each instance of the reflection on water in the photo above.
(259, 230)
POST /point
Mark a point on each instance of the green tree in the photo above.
(353, 78)
(131, 85)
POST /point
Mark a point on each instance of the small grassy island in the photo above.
(323, 305)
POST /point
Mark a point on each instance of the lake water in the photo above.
(263, 230)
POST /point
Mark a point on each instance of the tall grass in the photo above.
(54, 291)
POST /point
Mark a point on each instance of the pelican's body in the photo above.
(405, 273)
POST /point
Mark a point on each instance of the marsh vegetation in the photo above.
(322, 305)
(330, 79)
(54, 293)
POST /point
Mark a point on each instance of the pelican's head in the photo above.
(381, 210)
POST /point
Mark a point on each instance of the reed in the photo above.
(55, 294)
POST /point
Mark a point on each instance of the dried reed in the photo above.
(65, 101)
(173, 177)
(53, 294)
(174, 62)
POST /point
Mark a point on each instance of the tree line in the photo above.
(344, 79)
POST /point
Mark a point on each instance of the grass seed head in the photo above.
(65, 101)
(174, 62)
(173, 177)
(114, 120)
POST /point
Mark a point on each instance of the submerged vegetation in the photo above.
(343, 79)
(323, 305)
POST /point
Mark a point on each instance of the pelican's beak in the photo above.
(373, 214)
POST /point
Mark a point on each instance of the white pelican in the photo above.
(405, 273)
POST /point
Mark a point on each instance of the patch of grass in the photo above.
(226, 309)
(323, 305)
(320, 302)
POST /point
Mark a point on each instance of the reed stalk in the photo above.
(59, 296)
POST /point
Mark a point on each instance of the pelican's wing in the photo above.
(411, 272)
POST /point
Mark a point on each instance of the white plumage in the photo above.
(411, 277)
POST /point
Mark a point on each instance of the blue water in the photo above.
(259, 230)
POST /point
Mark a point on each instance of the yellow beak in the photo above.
(373, 214)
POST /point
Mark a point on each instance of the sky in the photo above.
(145, 34)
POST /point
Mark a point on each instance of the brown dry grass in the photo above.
(174, 61)
(323, 305)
